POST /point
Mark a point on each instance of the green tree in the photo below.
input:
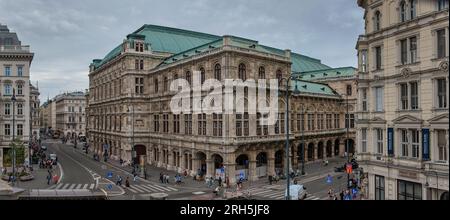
(18, 145)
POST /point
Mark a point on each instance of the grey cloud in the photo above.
(66, 35)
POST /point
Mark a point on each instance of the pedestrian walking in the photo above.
(49, 177)
(134, 177)
(220, 181)
(127, 182)
(342, 195)
(161, 177)
(167, 178)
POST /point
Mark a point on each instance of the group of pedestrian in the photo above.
(163, 178)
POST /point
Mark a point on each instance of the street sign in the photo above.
(109, 186)
(109, 175)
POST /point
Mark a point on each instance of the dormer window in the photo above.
(139, 46)
(403, 11)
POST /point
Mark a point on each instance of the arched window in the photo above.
(218, 72)
(402, 11)
(377, 21)
(202, 75)
(188, 77)
(166, 82)
(262, 73)
(242, 72)
(413, 6)
(279, 77)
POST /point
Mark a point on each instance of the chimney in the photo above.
(287, 53)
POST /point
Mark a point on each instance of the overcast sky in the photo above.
(66, 35)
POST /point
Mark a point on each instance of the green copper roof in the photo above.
(178, 41)
(313, 88)
(327, 73)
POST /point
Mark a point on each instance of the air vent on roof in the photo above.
(211, 46)
(174, 59)
(312, 76)
(305, 86)
(339, 73)
(253, 46)
(323, 88)
(197, 51)
(325, 74)
(185, 55)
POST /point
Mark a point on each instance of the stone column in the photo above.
(306, 154)
(171, 162)
(159, 157)
(195, 166)
(270, 163)
(210, 167)
(316, 153)
(342, 147)
(183, 166)
(252, 167)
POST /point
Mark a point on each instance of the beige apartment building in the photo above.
(70, 114)
(402, 124)
(130, 117)
(34, 112)
(15, 93)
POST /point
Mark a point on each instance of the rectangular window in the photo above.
(404, 51)
(442, 5)
(282, 120)
(408, 190)
(413, 49)
(337, 123)
(414, 95)
(442, 145)
(166, 123)
(217, 125)
(379, 97)
(441, 93)
(310, 122)
(246, 125)
(364, 61)
(328, 121)
(7, 109)
(176, 124)
(7, 130)
(19, 109)
(364, 140)
(379, 140)
(202, 124)
(19, 130)
(155, 81)
(156, 123)
(378, 58)
(415, 143)
(379, 188)
(139, 85)
(404, 96)
(258, 124)
(239, 125)
(20, 70)
(404, 143)
(364, 99)
(187, 124)
(7, 71)
(441, 44)
(8, 89)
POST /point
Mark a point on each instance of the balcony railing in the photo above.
(14, 48)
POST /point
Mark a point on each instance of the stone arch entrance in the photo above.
(279, 161)
(261, 164)
(320, 150)
(336, 147)
(201, 157)
(350, 143)
(140, 150)
(310, 151)
(329, 149)
(300, 153)
(242, 162)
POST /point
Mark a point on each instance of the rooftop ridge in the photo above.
(330, 69)
(176, 30)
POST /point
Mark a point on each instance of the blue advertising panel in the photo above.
(390, 141)
(425, 144)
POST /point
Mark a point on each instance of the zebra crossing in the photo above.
(69, 186)
(270, 194)
(148, 188)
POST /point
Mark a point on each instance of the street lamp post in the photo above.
(13, 99)
(347, 141)
(303, 141)
(31, 136)
(287, 131)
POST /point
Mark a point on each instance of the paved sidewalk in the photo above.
(40, 178)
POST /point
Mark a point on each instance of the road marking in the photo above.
(62, 173)
(85, 186)
(198, 193)
(132, 190)
(134, 187)
(280, 197)
(72, 186)
(162, 188)
(59, 186)
(140, 187)
(66, 186)
(149, 188)
(173, 189)
(79, 186)
(92, 186)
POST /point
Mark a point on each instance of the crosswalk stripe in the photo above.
(280, 197)
(141, 188)
(171, 188)
(85, 186)
(160, 187)
(261, 192)
(132, 190)
(276, 195)
(257, 190)
(92, 186)
(66, 186)
(59, 186)
(148, 187)
(72, 186)
(271, 194)
(53, 187)
(79, 186)
(134, 187)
